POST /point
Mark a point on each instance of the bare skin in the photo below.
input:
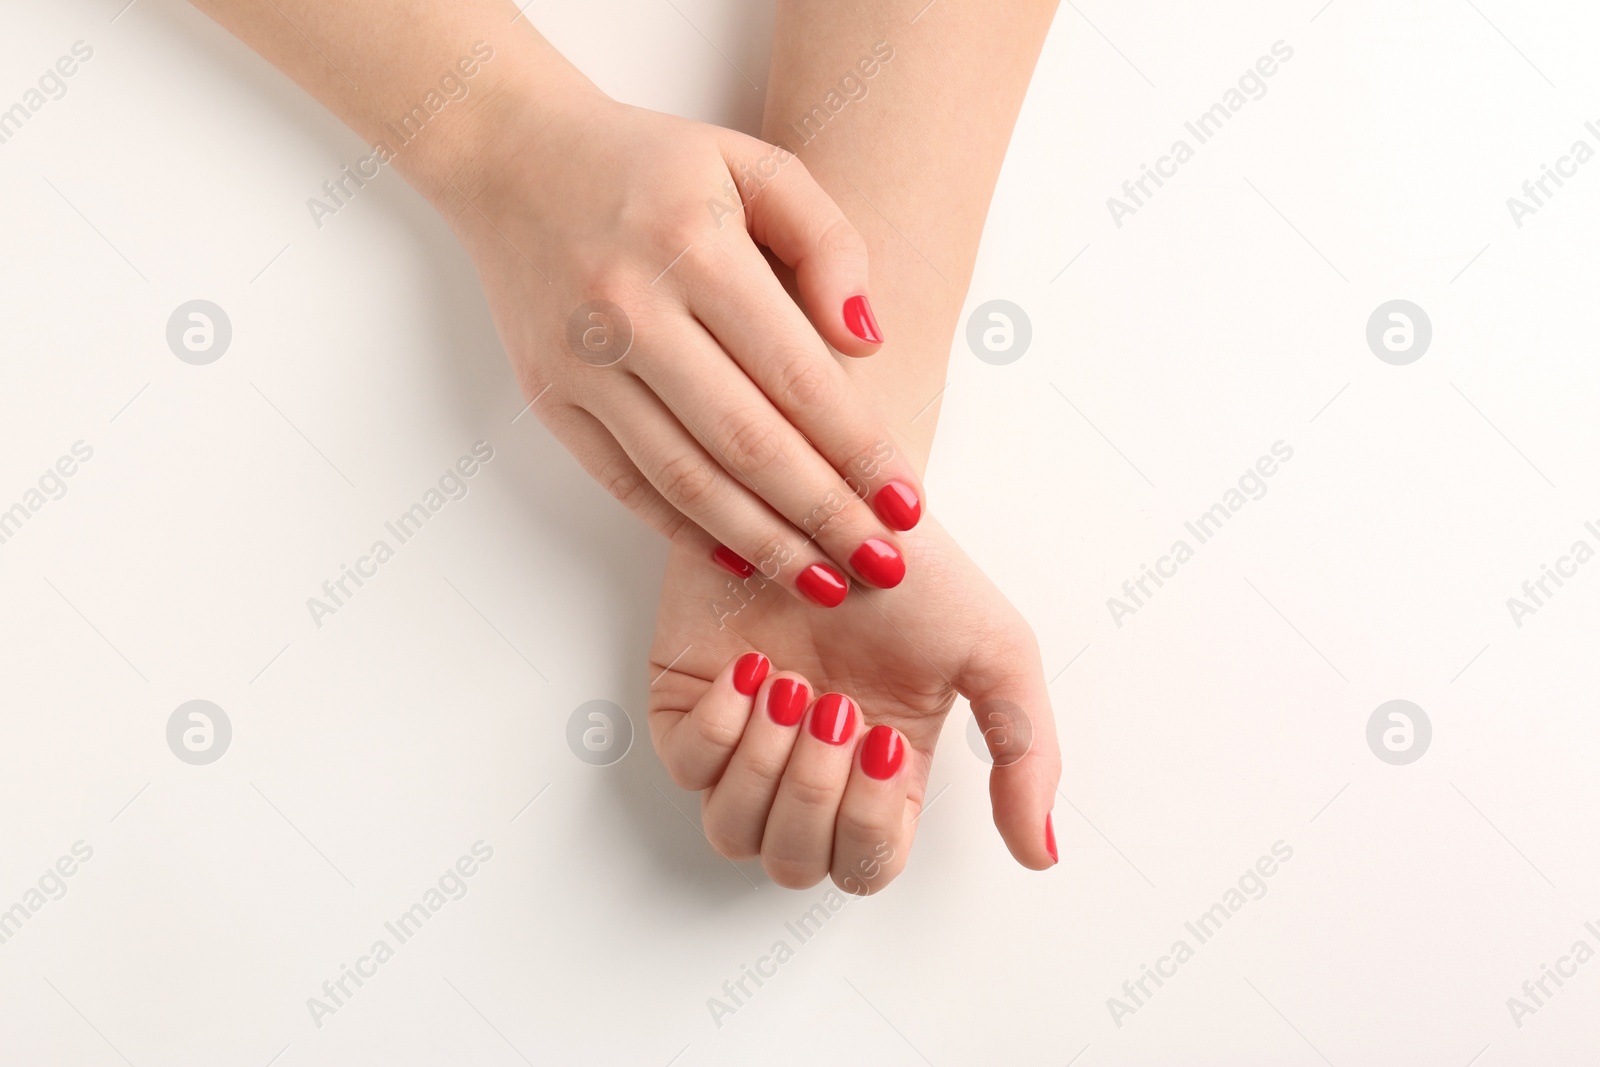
(729, 421)
(913, 164)
(725, 417)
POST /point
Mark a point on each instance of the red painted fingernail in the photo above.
(858, 317)
(823, 584)
(1050, 838)
(833, 719)
(787, 700)
(897, 505)
(882, 752)
(750, 672)
(879, 563)
(732, 562)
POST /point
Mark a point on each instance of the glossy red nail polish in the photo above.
(1050, 838)
(787, 700)
(833, 719)
(822, 584)
(859, 320)
(879, 563)
(750, 672)
(882, 752)
(732, 562)
(897, 505)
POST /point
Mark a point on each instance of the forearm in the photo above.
(420, 81)
(913, 162)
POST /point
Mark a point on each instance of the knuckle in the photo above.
(866, 464)
(812, 794)
(716, 734)
(855, 826)
(771, 557)
(752, 444)
(607, 280)
(675, 526)
(695, 253)
(687, 481)
(842, 241)
(726, 838)
(836, 510)
(768, 766)
(804, 383)
(625, 482)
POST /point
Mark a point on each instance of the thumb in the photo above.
(1006, 687)
(789, 213)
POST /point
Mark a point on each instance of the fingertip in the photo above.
(862, 323)
(1022, 796)
(749, 671)
(822, 585)
(788, 697)
(898, 504)
(732, 562)
(882, 753)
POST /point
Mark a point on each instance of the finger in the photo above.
(599, 453)
(725, 411)
(872, 836)
(753, 320)
(734, 811)
(788, 212)
(697, 485)
(695, 744)
(797, 847)
(1005, 684)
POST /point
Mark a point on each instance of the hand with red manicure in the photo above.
(624, 255)
(811, 735)
(625, 267)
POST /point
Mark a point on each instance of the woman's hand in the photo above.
(622, 254)
(800, 778)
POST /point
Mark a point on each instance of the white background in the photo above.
(1228, 714)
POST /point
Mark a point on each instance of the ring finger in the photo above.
(797, 847)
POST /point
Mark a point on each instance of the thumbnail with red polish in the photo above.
(787, 700)
(879, 563)
(750, 672)
(897, 505)
(860, 321)
(823, 585)
(732, 562)
(833, 719)
(1050, 838)
(882, 752)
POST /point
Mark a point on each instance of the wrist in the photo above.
(515, 95)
